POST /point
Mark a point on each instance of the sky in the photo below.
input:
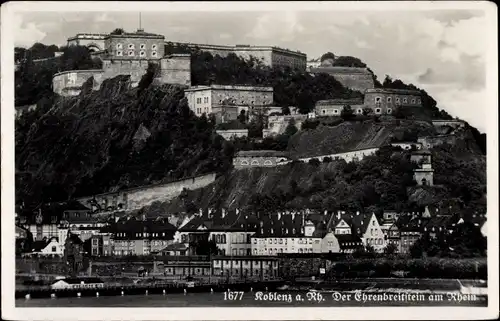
(441, 51)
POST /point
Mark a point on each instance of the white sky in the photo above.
(442, 51)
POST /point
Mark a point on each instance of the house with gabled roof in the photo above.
(409, 227)
(50, 247)
(135, 236)
(294, 232)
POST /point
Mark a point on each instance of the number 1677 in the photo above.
(233, 295)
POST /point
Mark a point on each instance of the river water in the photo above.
(249, 299)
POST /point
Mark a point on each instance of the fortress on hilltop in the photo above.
(355, 78)
(124, 54)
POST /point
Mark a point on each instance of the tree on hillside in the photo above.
(147, 78)
(291, 129)
(242, 117)
(347, 112)
(328, 55)
(117, 31)
(367, 111)
(348, 61)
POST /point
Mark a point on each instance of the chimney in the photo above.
(357, 213)
(293, 216)
(338, 215)
(223, 212)
(201, 212)
(326, 212)
(143, 217)
(279, 215)
(303, 219)
(237, 211)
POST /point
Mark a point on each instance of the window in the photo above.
(205, 100)
(389, 110)
(198, 100)
(142, 53)
(131, 46)
(324, 111)
(413, 101)
(54, 249)
(378, 99)
(131, 53)
(142, 46)
(418, 100)
(119, 46)
(377, 110)
(154, 54)
(360, 111)
(405, 100)
(119, 53)
(154, 46)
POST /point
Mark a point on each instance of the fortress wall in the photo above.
(359, 82)
(354, 78)
(176, 69)
(139, 197)
(135, 68)
(69, 83)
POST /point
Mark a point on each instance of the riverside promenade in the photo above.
(145, 289)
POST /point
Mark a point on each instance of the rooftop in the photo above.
(231, 87)
(261, 153)
(327, 102)
(393, 91)
(339, 70)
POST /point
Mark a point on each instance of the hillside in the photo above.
(110, 139)
(121, 137)
(352, 135)
(377, 182)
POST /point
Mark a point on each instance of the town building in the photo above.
(42, 224)
(175, 249)
(203, 99)
(187, 267)
(260, 158)
(364, 226)
(334, 107)
(293, 232)
(132, 236)
(77, 283)
(230, 230)
(50, 247)
(102, 244)
(246, 267)
(406, 231)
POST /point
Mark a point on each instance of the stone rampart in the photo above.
(176, 69)
(136, 198)
(359, 79)
(69, 83)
